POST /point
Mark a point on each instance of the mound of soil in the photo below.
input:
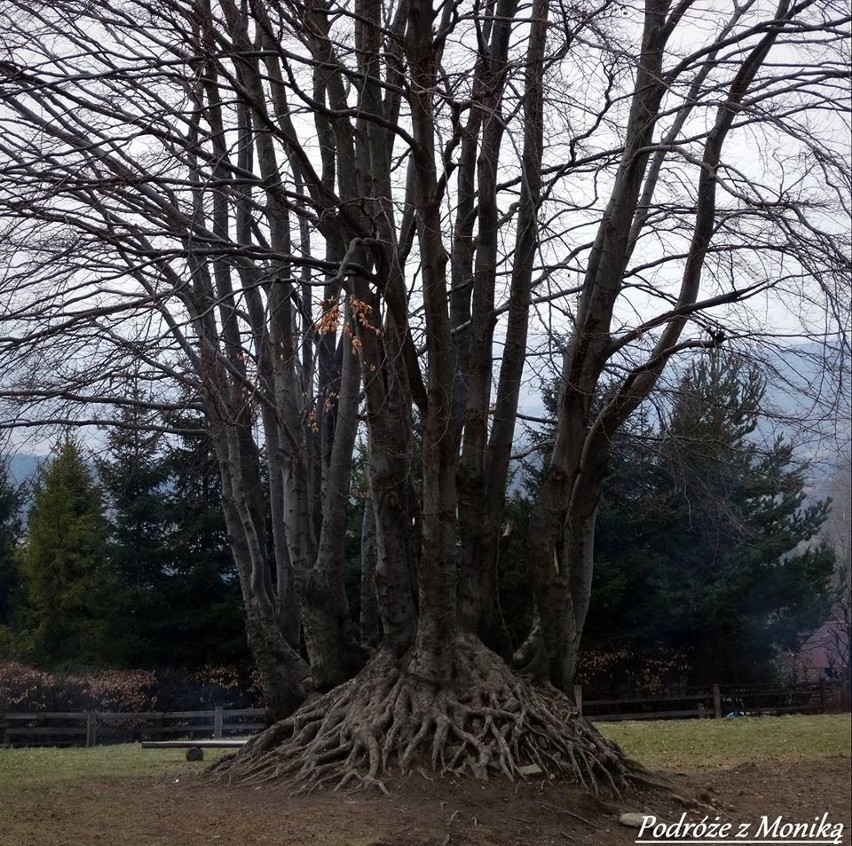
(420, 810)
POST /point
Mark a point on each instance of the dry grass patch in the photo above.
(704, 745)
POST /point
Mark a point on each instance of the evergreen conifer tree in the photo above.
(134, 481)
(10, 530)
(63, 564)
(203, 620)
(176, 585)
(705, 543)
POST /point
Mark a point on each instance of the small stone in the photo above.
(195, 753)
(633, 820)
(530, 770)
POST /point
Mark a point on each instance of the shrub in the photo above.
(26, 689)
(624, 671)
(122, 690)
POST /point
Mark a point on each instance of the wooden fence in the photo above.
(721, 700)
(90, 728)
(97, 727)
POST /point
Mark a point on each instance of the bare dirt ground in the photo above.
(418, 812)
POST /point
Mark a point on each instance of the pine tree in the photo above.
(133, 478)
(743, 575)
(10, 531)
(203, 619)
(134, 481)
(63, 564)
(705, 546)
(176, 585)
(634, 519)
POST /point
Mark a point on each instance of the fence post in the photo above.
(823, 697)
(578, 698)
(218, 721)
(844, 689)
(717, 702)
(91, 729)
(4, 735)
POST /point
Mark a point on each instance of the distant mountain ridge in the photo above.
(22, 466)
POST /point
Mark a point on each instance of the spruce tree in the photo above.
(10, 530)
(705, 545)
(134, 481)
(63, 564)
(176, 585)
(741, 576)
(203, 620)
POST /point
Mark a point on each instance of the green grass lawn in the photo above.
(674, 745)
(21, 768)
(698, 745)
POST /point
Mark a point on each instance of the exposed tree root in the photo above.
(490, 721)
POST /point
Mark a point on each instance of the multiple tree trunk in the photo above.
(314, 213)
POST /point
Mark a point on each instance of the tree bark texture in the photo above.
(317, 220)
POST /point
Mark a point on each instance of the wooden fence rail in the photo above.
(90, 728)
(720, 700)
(59, 728)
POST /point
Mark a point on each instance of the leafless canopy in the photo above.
(297, 214)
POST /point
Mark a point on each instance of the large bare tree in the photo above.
(305, 215)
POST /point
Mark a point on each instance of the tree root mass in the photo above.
(488, 722)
